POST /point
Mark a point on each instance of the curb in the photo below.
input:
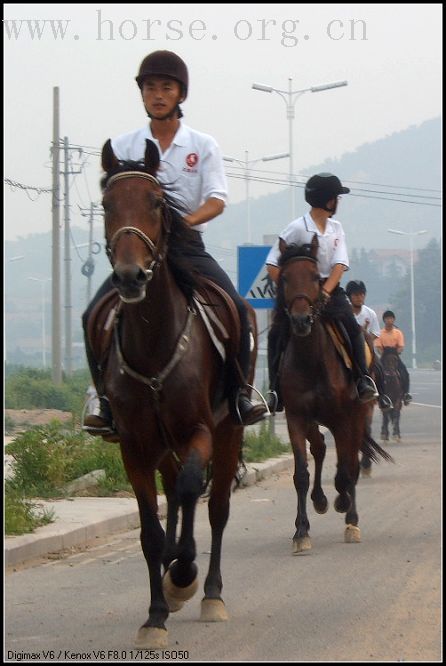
(74, 531)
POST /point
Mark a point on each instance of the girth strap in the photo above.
(156, 382)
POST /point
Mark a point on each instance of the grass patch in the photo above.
(21, 515)
(260, 446)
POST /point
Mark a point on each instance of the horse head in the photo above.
(389, 359)
(299, 285)
(135, 220)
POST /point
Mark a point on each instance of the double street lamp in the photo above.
(247, 163)
(411, 234)
(290, 97)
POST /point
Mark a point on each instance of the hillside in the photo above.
(410, 158)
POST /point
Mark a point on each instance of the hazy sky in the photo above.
(389, 54)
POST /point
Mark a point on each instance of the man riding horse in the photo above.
(192, 173)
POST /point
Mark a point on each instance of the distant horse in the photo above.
(318, 389)
(394, 389)
(166, 386)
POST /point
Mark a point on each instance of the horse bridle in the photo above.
(315, 306)
(157, 254)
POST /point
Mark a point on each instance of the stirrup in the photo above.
(236, 407)
(272, 401)
(384, 402)
(372, 394)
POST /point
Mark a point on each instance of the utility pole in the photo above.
(88, 267)
(67, 259)
(55, 308)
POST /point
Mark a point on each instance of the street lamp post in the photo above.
(42, 281)
(411, 234)
(247, 163)
(290, 97)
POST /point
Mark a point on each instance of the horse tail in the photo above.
(373, 450)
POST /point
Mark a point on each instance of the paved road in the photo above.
(374, 601)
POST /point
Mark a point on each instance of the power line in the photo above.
(286, 183)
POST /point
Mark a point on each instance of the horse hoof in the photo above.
(340, 505)
(366, 473)
(352, 534)
(213, 610)
(151, 638)
(396, 438)
(322, 507)
(301, 545)
(176, 596)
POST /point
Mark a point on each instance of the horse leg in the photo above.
(348, 441)
(301, 478)
(225, 461)
(396, 425)
(169, 472)
(317, 450)
(180, 581)
(153, 633)
(385, 427)
(366, 462)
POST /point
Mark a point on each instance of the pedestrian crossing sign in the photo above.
(254, 283)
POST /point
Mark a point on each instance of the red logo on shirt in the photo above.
(191, 159)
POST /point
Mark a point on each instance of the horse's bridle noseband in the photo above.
(156, 253)
(315, 306)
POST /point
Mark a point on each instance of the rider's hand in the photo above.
(325, 296)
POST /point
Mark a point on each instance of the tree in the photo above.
(427, 287)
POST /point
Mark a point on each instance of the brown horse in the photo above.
(318, 389)
(394, 389)
(166, 384)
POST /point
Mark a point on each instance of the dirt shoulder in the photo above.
(35, 417)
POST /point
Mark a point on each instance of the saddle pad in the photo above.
(222, 314)
(101, 323)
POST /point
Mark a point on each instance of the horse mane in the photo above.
(181, 236)
(294, 250)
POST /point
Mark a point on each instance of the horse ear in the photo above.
(108, 158)
(282, 245)
(151, 157)
(314, 246)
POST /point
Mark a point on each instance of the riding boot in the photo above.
(273, 397)
(404, 374)
(245, 412)
(367, 390)
(100, 420)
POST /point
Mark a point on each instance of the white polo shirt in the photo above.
(332, 247)
(368, 316)
(191, 168)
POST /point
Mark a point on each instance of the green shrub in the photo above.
(30, 388)
(262, 445)
(45, 458)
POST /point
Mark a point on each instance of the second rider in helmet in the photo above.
(321, 192)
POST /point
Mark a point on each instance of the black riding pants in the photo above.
(206, 265)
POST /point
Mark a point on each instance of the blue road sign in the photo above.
(254, 283)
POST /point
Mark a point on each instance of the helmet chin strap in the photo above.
(332, 210)
(175, 113)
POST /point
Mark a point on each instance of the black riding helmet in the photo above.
(323, 187)
(355, 287)
(164, 63)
